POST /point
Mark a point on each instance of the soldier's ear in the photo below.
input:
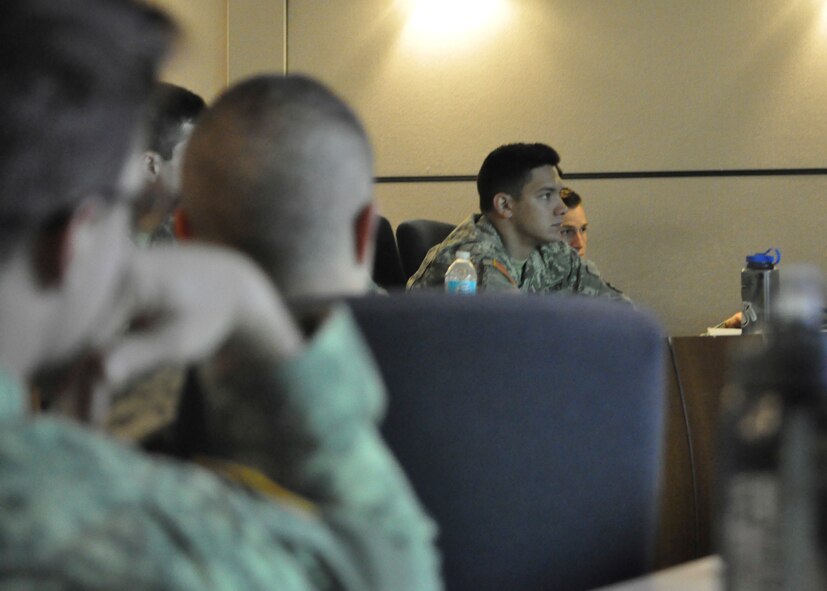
(152, 165)
(503, 203)
(365, 232)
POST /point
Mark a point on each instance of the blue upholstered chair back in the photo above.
(531, 429)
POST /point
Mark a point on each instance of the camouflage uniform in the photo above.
(80, 511)
(147, 405)
(552, 267)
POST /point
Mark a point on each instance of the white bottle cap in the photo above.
(463, 255)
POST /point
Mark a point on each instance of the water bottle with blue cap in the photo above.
(759, 288)
(461, 277)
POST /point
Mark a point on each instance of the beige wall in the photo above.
(615, 85)
(256, 37)
(620, 85)
(223, 41)
(200, 58)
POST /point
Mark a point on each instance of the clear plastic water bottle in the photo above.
(759, 288)
(461, 276)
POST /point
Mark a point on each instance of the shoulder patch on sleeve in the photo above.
(499, 266)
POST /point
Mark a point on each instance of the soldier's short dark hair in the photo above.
(508, 168)
(77, 75)
(570, 198)
(172, 107)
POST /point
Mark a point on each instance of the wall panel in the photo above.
(256, 34)
(615, 85)
(200, 59)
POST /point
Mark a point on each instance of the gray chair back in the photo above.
(415, 238)
(387, 267)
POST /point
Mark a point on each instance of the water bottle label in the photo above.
(752, 532)
(758, 288)
(461, 287)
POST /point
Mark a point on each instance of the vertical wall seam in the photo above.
(227, 43)
(284, 34)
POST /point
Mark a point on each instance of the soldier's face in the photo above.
(163, 190)
(170, 174)
(538, 213)
(575, 228)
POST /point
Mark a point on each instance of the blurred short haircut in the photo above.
(570, 198)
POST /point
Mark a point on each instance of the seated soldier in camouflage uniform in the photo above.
(81, 511)
(281, 169)
(575, 229)
(515, 243)
(172, 116)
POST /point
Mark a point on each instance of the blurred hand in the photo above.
(734, 321)
(179, 304)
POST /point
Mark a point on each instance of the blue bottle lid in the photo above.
(764, 259)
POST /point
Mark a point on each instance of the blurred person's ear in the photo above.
(50, 254)
(365, 231)
(57, 243)
(77, 266)
(152, 165)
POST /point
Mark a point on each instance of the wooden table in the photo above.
(696, 373)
